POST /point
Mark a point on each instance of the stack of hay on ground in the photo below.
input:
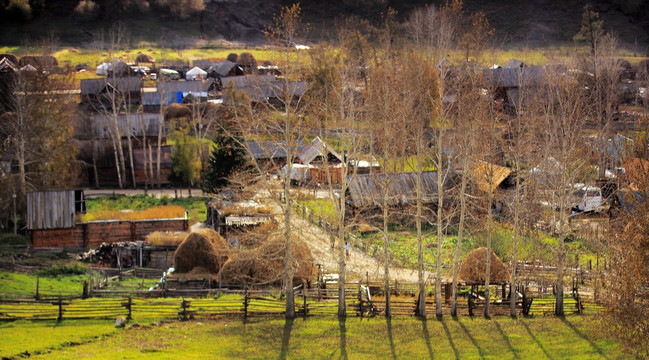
(265, 264)
(201, 250)
(473, 268)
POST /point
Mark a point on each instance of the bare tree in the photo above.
(563, 106)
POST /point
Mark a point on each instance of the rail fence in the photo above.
(263, 302)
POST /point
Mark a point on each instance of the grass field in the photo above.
(572, 337)
(194, 205)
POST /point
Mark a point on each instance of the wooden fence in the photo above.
(255, 302)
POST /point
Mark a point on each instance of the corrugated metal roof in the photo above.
(367, 190)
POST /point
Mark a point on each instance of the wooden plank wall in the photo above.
(93, 234)
(50, 209)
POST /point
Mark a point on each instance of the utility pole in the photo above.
(15, 220)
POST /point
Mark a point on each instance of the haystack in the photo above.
(144, 58)
(265, 265)
(472, 270)
(201, 249)
(177, 111)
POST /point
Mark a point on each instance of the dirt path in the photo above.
(359, 264)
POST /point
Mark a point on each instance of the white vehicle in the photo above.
(586, 198)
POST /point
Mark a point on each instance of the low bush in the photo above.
(13, 239)
(67, 269)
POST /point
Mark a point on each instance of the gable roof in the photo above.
(316, 148)
(367, 190)
(122, 84)
(6, 65)
(482, 173)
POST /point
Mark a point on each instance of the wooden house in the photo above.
(366, 191)
(100, 93)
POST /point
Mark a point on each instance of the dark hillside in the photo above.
(534, 22)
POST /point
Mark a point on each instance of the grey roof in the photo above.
(267, 149)
(122, 84)
(222, 68)
(316, 148)
(514, 63)
(515, 77)
(367, 190)
(257, 88)
(194, 86)
(262, 87)
(141, 123)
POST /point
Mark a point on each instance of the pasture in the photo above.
(572, 337)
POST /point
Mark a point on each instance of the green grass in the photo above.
(323, 208)
(571, 337)
(195, 206)
(26, 284)
(39, 336)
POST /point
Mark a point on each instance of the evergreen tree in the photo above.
(227, 158)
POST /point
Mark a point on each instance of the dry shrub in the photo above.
(474, 266)
(265, 264)
(201, 249)
(157, 212)
(166, 238)
(246, 209)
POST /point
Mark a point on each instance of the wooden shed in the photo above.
(367, 190)
(54, 209)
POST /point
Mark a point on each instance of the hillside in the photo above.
(533, 22)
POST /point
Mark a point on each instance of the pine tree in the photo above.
(227, 158)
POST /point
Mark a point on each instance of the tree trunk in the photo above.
(487, 280)
(440, 205)
(421, 308)
(460, 234)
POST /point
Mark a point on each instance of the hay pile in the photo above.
(201, 249)
(166, 237)
(177, 111)
(265, 264)
(472, 270)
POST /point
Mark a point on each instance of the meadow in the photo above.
(572, 337)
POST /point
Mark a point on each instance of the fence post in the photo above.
(219, 274)
(60, 317)
(185, 304)
(84, 294)
(360, 299)
(37, 297)
(245, 304)
(306, 310)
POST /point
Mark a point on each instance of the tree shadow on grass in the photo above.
(389, 321)
(509, 345)
(475, 343)
(286, 337)
(536, 340)
(426, 334)
(450, 340)
(343, 337)
(581, 335)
